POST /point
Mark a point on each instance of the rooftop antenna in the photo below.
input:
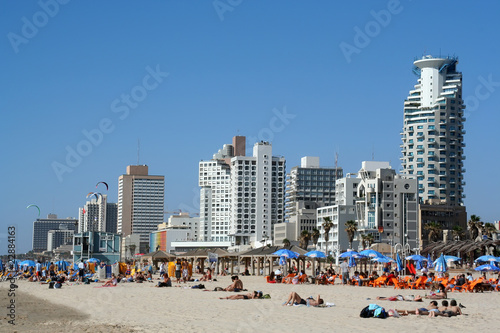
(373, 152)
(138, 150)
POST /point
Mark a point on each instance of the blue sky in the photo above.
(232, 66)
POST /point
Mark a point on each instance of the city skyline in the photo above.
(83, 86)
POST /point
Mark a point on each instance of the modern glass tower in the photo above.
(433, 132)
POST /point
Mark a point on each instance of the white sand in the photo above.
(134, 307)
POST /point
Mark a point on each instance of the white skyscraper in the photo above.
(241, 197)
(258, 195)
(433, 132)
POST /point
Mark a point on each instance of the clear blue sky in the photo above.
(228, 68)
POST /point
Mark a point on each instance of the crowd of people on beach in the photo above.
(437, 285)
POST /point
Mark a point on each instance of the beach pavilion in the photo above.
(202, 253)
(263, 258)
(158, 256)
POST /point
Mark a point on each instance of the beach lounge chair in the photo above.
(303, 278)
(378, 282)
(398, 284)
(419, 283)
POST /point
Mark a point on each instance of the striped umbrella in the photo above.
(440, 264)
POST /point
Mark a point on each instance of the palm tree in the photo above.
(304, 239)
(458, 232)
(351, 227)
(315, 236)
(286, 242)
(327, 225)
(370, 239)
(474, 226)
(489, 229)
(435, 230)
(364, 240)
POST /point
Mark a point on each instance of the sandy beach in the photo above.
(134, 307)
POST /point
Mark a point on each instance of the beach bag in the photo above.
(380, 313)
(51, 284)
(366, 312)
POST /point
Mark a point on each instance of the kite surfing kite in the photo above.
(36, 208)
(96, 194)
(107, 188)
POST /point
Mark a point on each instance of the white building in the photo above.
(258, 195)
(92, 216)
(184, 220)
(380, 201)
(433, 131)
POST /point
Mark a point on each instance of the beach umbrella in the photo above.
(352, 261)
(418, 264)
(62, 265)
(487, 259)
(429, 261)
(139, 254)
(440, 264)
(351, 254)
(315, 254)
(93, 260)
(371, 253)
(417, 257)
(382, 259)
(487, 267)
(399, 263)
(1, 265)
(286, 253)
(452, 258)
(29, 263)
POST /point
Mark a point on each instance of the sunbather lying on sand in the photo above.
(295, 299)
(409, 298)
(254, 295)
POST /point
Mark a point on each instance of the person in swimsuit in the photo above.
(254, 295)
(295, 299)
(409, 298)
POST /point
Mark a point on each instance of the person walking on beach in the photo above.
(178, 267)
(81, 271)
(38, 268)
(344, 268)
(185, 270)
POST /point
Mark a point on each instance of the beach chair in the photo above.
(473, 285)
(332, 281)
(378, 282)
(419, 283)
(398, 284)
(303, 278)
(268, 279)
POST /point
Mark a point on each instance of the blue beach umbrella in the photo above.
(352, 262)
(29, 263)
(417, 257)
(429, 261)
(286, 253)
(93, 260)
(62, 265)
(383, 259)
(489, 259)
(452, 258)
(371, 253)
(351, 254)
(487, 267)
(399, 263)
(440, 264)
(1, 265)
(315, 254)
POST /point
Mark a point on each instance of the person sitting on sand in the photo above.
(166, 281)
(409, 298)
(237, 284)
(207, 276)
(439, 294)
(254, 295)
(295, 299)
(111, 283)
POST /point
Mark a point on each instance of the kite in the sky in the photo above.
(36, 208)
(107, 187)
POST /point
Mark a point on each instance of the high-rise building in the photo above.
(310, 183)
(258, 195)
(98, 215)
(433, 131)
(241, 197)
(41, 227)
(140, 203)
